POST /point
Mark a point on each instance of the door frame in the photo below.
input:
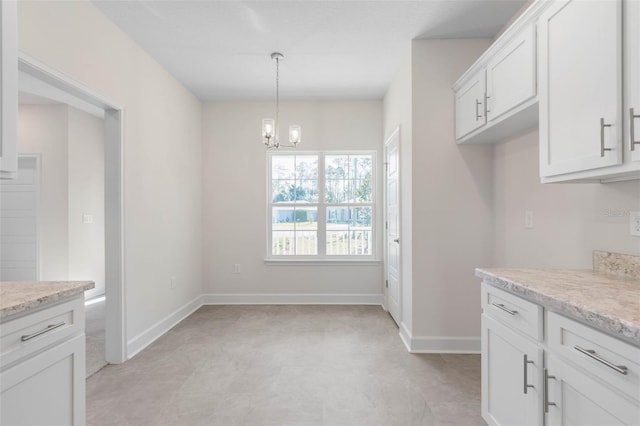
(394, 134)
(58, 86)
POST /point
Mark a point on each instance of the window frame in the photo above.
(322, 207)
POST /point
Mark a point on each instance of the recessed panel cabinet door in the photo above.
(470, 113)
(574, 398)
(632, 73)
(511, 376)
(580, 86)
(511, 75)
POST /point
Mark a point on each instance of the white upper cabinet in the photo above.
(632, 78)
(511, 75)
(497, 96)
(580, 86)
(8, 90)
(470, 105)
(585, 50)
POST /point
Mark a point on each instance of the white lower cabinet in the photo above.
(576, 398)
(511, 376)
(42, 367)
(572, 375)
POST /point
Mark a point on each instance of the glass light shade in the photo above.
(268, 128)
(295, 134)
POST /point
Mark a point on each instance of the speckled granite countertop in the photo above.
(607, 302)
(20, 296)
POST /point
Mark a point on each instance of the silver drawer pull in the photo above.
(602, 127)
(504, 308)
(632, 129)
(592, 354)
(45, 330)
(545, 391)
(526, 363)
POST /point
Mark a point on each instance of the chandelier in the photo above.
(270, 126)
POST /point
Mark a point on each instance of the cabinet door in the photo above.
(48, 389)
(511, 377)
(8, 90)
(470, 105)
(632, 73)
(580, 86)
(579, 399)
(511, 75)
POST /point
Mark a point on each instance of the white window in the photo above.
(321, 205)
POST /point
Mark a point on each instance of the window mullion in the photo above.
(322, 219)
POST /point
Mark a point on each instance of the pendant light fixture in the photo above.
(270, 126)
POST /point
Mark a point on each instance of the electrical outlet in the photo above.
(172, 282)
(634, 223)
(87, 218)
(236, 268)
(528, 219)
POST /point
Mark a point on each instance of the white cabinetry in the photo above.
(470, 114)
(497, 96)
(564, 373)
(511, 75)
(511, 376)
(577, 398)
(42, 366)
(581, 58)
(632, 78)
(8, 89)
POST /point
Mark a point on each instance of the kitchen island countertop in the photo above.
(610, 303)
(17, 297)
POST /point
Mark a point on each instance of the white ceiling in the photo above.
(333, 49)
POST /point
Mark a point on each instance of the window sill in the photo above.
(322, 262)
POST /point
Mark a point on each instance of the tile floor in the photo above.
(286, 365)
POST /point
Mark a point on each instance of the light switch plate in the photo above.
(634, 223)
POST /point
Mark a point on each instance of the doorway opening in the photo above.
(38, 79)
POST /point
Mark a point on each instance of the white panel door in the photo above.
(511, 75)
(580, 86)
(392, 226)
(470, 108)
(511, 377)
(19, 260)
(632, 73)
(577, 399)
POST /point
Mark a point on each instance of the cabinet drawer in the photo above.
(29, 333)
(513, 311)
(607, 358)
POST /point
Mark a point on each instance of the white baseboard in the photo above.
(151, 334)
(292, 299)
(439, 344)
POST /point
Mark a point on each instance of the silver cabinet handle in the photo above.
(632, 130)
(49, 328)
(504, 308)
(545, 391)
(602, 148)
(526, 379)
(478, 116)
(592, 354)
(486, 105)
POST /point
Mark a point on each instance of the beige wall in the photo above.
(570, 220)
(235, 190)
(71, 148)
(452, 200)
(86, 196)
(162, 150)
(43, 129)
